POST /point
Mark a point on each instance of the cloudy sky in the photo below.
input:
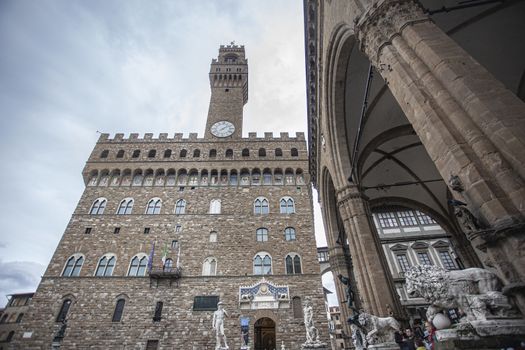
(71, 68)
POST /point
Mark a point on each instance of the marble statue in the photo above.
(476, 292)
(379, 330)
(218, 326)
(358, 337)
(312, 335)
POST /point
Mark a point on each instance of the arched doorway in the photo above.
(264, 334)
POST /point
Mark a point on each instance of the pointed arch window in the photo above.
(138, 265)
(73, 266)
(64, 309)
(180, 206)
(105, 266)
(287, 205)
(289, 234)
(262, 234)
(262, 264)
(154, 206)
(98, 206)
(215, 206)
(119, 310)
(293, 264)
(260, 206)
(168, 265)
(209, 267)
(125, 207)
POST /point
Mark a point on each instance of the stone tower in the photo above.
(167, 227)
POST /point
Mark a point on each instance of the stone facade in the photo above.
(404, 96)
(12, 316)
(211, 236)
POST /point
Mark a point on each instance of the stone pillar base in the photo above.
(482, 335)
(384, 346)
(314, 346)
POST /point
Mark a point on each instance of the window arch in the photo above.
(293, 264)
(245, 152)
(261, 234)
(119, 310)
(183, 153)
(104, 154)
(215, 206)
(120, 154)
(213, 236)
(213, 153)
(154, 206)
(10, 337)
(196, 153)
(229, 153)
(278, 152)
(138, 265)
(73, 266)
(262, 152)
(287, 205)
(167, 153)
(98, 206)
(106, 264)
(168, 265)
(262, 264)
(4, 318)
(260, 206)
(209, 267)
(289, 234)
(19, 317)
(152, 153)
(64, 309)
(125, 207)
(135, 154)
(180, 206)
(294, 152)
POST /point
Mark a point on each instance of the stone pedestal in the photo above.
(482, 335)
(384, 346)
(314, 346)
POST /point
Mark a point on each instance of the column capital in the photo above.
(348, 193)
(385, 19)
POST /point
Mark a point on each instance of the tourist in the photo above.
(420, 345)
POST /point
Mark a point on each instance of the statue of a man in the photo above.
(349, 293)
(218, 326)
(311, 331)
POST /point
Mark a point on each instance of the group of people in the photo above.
(417, 337)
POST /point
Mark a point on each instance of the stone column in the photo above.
(372, 275)
(470, 125)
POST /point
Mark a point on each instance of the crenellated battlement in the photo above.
(193, 137)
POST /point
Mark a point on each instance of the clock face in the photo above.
(222, 129)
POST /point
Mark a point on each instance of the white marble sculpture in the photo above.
(312, 335)
(379, 330)
(218, 326)
(358, 338)
(476, 292)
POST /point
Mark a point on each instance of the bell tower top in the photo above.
(229, 92)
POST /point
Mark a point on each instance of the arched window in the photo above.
(98, 206)
(119, 310)
(120, 154)
(287, 205)
(167, 153)
(260, 206)
(278, 152)
(289, 234)
(209, 267)
(180, 206)
(293, 264)
(154, 205)
(215, 206)
(10, 337)
(64, 309)
(262, 264)
(261, 234)
(168, 265)
(135, 154)
(73, 266)
(125, 207)
(104, 154)
(233, 178)
(183, 153)
(152, 153)
(213, 153)
(138, 265)
(246, 152)
(4, 318)
(262, 152)
(294, 152)
(105, 266)
(19, 318)
(229, 153)
(267, 176)
(297, 307)
(196, 153)
(213, 236)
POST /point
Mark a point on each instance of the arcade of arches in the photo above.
(420, 111)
